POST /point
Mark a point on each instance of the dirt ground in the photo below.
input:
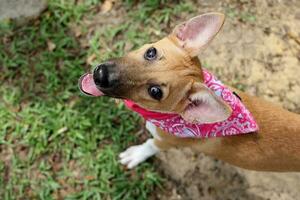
(263, 58)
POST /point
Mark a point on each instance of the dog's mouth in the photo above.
(88, 86)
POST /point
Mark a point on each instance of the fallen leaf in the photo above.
(77, 31)
(90, 59)
(106, 6)
(89, 177)
(51, 45)
(62, 181)
(84, 42)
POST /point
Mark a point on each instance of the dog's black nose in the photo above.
(104, 76)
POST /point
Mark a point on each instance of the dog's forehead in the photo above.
(166, 45)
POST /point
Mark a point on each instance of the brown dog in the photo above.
(166, 77)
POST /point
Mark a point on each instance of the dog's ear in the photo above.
(195, 34)
(204, 106)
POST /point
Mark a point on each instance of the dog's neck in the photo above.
(240, 122)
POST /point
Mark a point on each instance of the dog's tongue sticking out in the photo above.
(88, 86)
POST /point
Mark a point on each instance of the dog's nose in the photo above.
(104, 76)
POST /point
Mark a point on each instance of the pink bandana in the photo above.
(240, 122)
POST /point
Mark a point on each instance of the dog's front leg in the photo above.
(134, 155)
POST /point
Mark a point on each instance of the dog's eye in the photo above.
(155, 92)
(150, 54)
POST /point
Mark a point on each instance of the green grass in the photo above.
(55, 142)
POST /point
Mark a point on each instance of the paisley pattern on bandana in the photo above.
(241, 120)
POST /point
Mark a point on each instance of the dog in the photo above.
(165, 81)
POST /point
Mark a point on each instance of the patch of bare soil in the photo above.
(262, 57)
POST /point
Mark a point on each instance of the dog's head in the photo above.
(165, 76)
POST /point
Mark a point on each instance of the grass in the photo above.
(54, 142)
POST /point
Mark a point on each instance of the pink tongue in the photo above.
(88, 85)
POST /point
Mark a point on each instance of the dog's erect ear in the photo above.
(204, 106)
(195, 34)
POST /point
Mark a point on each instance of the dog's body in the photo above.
(275, 147)
(166, 76)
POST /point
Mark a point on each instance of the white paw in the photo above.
(134, 155)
